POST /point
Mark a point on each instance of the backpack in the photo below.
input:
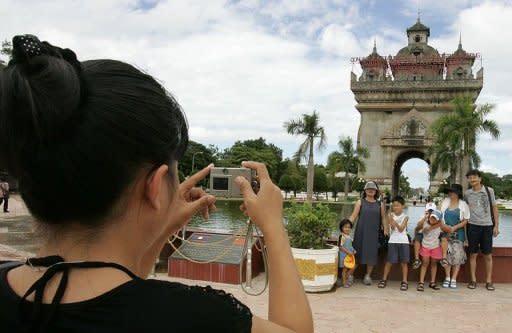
(493, 218)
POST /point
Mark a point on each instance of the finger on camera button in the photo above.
(198, 176)
(260, 168)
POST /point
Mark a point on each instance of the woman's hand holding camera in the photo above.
(191, 200)
(266, 207)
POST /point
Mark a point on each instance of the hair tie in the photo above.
(26, 47)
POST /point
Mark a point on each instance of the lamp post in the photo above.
(193, 160)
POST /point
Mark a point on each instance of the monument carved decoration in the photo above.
(410, 130)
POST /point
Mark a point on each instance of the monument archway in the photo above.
(399, 163)
(399, 97)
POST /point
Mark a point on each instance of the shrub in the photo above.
(309, 226)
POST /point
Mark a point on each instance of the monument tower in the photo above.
(398, 98)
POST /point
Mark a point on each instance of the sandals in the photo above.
(382, 284)
(489, 286)
(421, 286)
(446, 283)
(444, 262)
(453, 284)
(404, 286)
(416, 264)
(472, 285)
(433, 285)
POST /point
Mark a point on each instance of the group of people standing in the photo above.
(439, 236)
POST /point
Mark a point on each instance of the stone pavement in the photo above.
(369, 309)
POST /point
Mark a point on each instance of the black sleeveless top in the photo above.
(135, 306)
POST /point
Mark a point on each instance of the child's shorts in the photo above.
(418, 237)
(436, 253)
(398, 253)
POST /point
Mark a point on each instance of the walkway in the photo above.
(369, 309)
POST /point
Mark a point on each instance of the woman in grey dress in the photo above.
(370, 214)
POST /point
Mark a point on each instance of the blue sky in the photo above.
(242, 68)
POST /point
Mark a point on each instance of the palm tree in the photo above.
(309, 126)
(348, 159)
(460, 129)
(442, 155)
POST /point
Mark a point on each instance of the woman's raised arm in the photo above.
(288, 309)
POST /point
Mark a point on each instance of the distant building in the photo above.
(400, 96)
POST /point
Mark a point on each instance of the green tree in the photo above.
(350, 159)
(253, 150)
(358, 184)
(320, 182)
(309, 126)
(287, 184)
(198, 153)
(298, 183)
(336, 185)
(461, 128)
(443, 154)
(405, 187)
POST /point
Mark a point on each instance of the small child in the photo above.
(418, 235)
(431, 251)
(345, 248)
(398, 244)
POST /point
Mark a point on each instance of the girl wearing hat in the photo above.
(456, 215)
(370, 218)
(430, 250)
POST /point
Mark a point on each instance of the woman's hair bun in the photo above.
(40, 95)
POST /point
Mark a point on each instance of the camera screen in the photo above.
(221, 183)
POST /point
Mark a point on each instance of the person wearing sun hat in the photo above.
(456, 215)
(431, 251)
(418, 235)
(370, 216)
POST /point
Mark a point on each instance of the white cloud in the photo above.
(240, 69)
(340, 41)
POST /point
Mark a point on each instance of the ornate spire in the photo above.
(374, 45)
(460, 41)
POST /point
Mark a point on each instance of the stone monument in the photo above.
(398, 98)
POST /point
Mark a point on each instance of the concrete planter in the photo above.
(317, 268)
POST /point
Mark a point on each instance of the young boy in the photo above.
(398, 244)
(430, 250)
(418, 235)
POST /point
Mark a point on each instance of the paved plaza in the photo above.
(369, 309)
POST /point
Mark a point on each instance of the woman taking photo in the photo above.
(370, 216)
(95, 146)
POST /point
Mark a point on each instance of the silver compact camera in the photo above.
(222, 181)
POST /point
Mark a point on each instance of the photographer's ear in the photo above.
(155, 186)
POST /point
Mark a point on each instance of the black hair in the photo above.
(343, 223)
(399, 199)
(77, 140)
(474, 172)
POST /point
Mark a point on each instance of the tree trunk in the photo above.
(460, 163)
(347, 183)
(453, 176)
(311, 172)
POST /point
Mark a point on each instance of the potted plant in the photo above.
(309, 227)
